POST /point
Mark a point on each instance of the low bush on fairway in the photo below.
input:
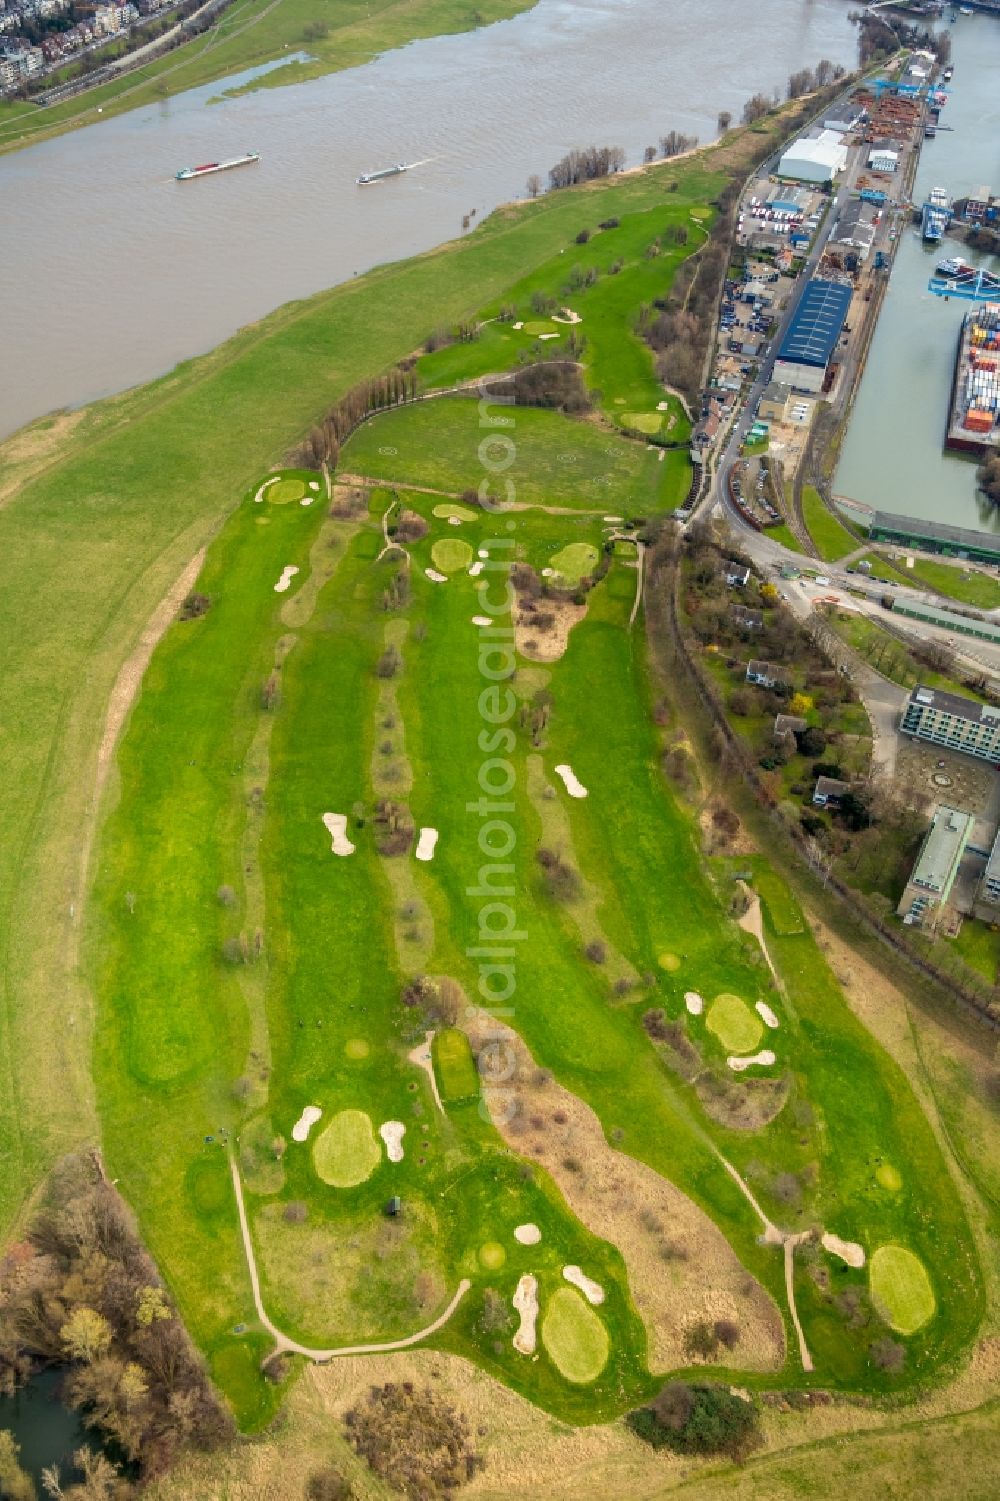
(901, 1288)
(702, 1419)
(574, 1337)
(457, 1075)
(737, 1027)
(346, 1153)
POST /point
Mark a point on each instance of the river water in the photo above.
(893, 457)
(113, 272)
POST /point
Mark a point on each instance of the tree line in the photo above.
(396, 387)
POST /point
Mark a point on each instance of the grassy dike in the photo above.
(249, 34)
(99, 513)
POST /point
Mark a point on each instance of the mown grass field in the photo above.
(249, 34)
(831, 539)
(968, 585)
(560, 462)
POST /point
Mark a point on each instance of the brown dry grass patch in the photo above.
(681, 1268)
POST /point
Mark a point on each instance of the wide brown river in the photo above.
(112, 271)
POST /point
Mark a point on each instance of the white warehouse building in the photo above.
(814, 158)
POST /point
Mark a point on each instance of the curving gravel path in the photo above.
(284, 1343)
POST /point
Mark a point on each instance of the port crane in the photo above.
(977, 286)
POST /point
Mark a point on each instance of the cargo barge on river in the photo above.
(974, 414)
(207, 168)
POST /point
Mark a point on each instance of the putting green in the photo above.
(539, 327)
(492, 1255)
(643, 422)
(737, 1027)
(901, 1289)
(574, 1337)
(346, 1153)
(458, 1077)
(356, 1047)
(285, 491)
(575, 561)
(670, 962)
(463, 513)
(889, 1177)
(451, 554)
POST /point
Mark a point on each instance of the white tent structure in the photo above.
(814, 158)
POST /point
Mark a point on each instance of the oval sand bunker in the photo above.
(571, 781)
(426, 843)
(336, 823)
(527, 1235)
(694, 1002)
(592, 1291)
(305, 1122)
(392, 1133)
(766, 1015)
(526, 1304)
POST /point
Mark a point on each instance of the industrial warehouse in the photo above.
(813, 335)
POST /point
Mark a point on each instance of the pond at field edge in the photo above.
(48, 1432)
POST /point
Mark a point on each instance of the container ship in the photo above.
(974, 419)
(935, 216)
(394, 171)
(208, 167)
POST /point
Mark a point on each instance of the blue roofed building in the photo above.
(812, 336)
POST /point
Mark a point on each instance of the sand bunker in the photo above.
(484, 552)
(571, 782)
(548, 573)
(425, 844)
(392, 1133)
(663, 406)
(694, 1002)
(337, 825)
(765, 1056)
(548, 336)
(481, 620)
(435, 577)
(421, 1056)
(568, 316)
(305, 1122)
(285, 580)
(265, 487)
(847, 1250)
(307, 500)
(766, 1015)
(527, 1235)
(526, 1304)
(614, 518)
(592, 1291)
(314, 484)
(475, 570)
(519, 325)
(454, 521)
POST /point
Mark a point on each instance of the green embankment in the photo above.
(249, 34)
(831, 539)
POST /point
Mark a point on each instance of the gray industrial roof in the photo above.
(940, 531)
(819, 319)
